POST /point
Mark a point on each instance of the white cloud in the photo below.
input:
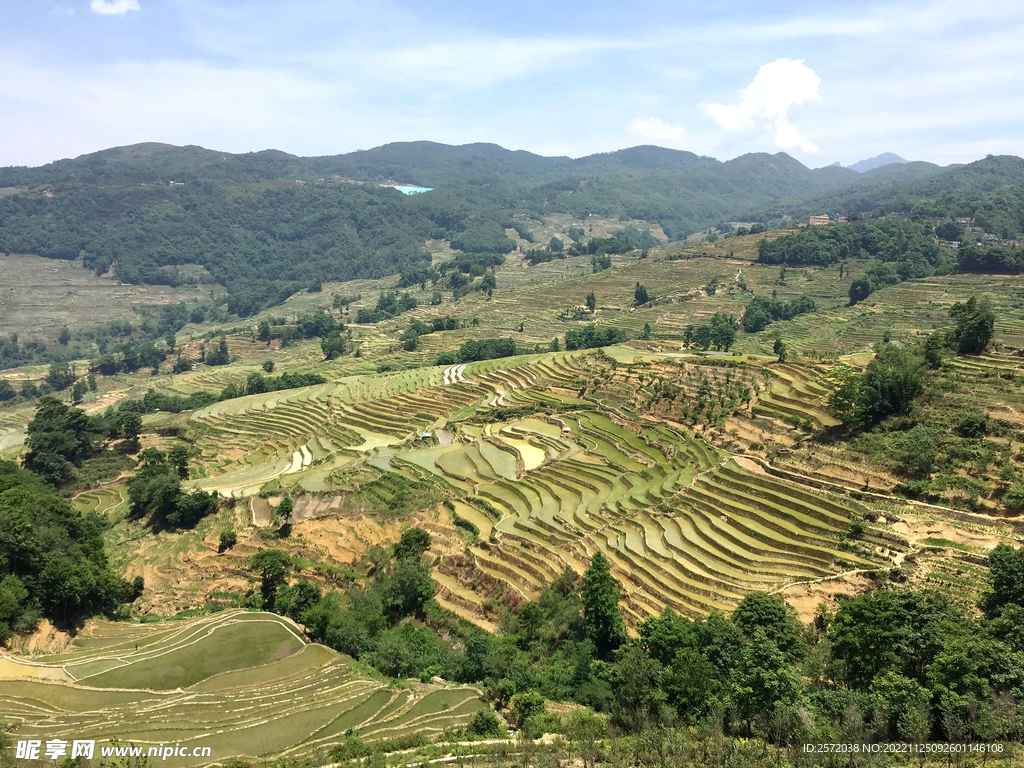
(764, 104)
(113, 7)
(656, 128)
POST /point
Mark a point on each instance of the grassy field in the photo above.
(243, 684)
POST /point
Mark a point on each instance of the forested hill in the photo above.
(264, 224)
(902, 186)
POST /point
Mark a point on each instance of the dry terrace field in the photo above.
(38, 296)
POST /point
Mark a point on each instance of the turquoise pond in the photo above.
(414, 190)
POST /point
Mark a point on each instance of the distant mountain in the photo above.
(897, 187)
(886, 158)
(145, 210)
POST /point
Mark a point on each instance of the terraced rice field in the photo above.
(682, 524)
(794, 392)
(108, 502)
(308, 433)
(243, 684)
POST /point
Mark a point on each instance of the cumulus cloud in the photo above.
(113, 7)
(765, 103)
(656, 128)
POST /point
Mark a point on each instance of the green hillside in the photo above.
(265, 223)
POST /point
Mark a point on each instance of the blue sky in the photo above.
(930, 80)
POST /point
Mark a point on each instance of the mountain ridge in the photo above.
(878, 161)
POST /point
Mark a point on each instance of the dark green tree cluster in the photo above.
(367, 622)
(896, 376)
(990, 260)
(60, 438)
(625, 240)
(479, 349)
(887, 388)
(262, 244)
(156, 496)
(975, 325)
(763, 310)
(909, 245)
(52, 559)
(720, 333)
(879, 275)
(218, 356)
(257, 383)
(640, 295)
(591, 336)
(417, 328)
(542, 255)
(389, 304)
(483, 237)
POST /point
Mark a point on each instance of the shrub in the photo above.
(228, 539)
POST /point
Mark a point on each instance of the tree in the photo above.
(975, 325)
(413, 543)
(263, 331)
(285, 508)
(764, 680)
(268, 366)
(182, 364)
(770, 614)
(228, 539)
(640, 295)
(178, 458)
(601, 616)
(255, 384)
(6, 391)
(860, 289)
(900, 701)
(273, 567)
(64, 336)
(556, 245)
(645, 334)
(405, 588)
(60, 376)
(591, 301)
(723, 331)
(755, 318)
(779, 348)
(333, 345)
(1006, 574)
(59, 437)
(898, 631)
(129, 426)
(190, 508)
(636, 683)
(889, 385)
(526, 705)
(53, 562)
(933, 347)
(690, 685)
(220, 355)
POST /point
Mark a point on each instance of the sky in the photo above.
(824, 81)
